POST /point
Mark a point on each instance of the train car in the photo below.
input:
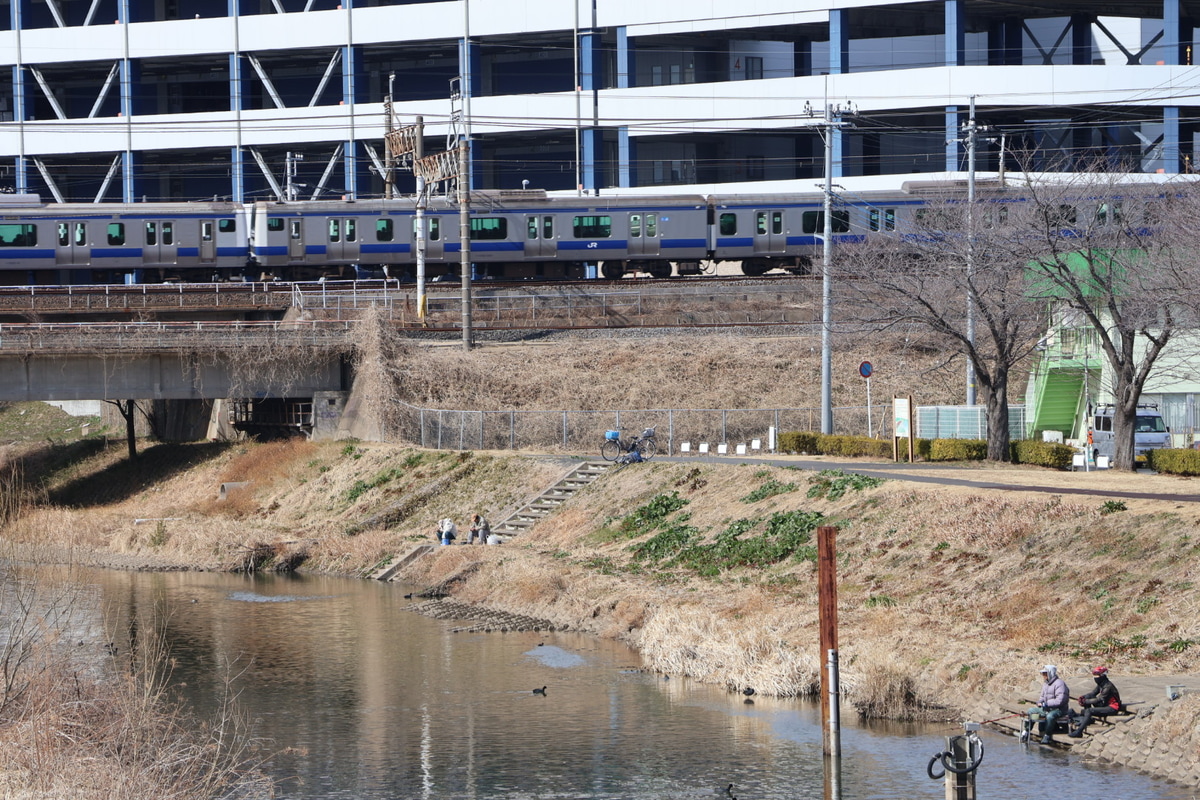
(519, 234)
(514, 234)
(62, 243)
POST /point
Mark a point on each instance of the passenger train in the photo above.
(514, 235)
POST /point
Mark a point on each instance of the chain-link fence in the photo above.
(753, 429)
(575, 431)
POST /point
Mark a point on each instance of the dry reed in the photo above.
(79, 722)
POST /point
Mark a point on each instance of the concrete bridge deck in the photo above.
(173, 361)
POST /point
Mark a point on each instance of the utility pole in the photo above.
(832, 120)
(389, 158)
(291, 170)
(971, 130)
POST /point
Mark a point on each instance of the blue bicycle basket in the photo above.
(613, 435)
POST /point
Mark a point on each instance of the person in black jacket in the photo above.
(1104, 701)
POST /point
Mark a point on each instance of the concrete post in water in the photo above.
(827, 603)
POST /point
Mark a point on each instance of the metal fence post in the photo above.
(512, 430)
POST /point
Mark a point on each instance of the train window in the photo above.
(351, 230)
(532, 231)
(435, 229)
(80, 233)
(1062, 216)
(814, 221)
(206, 231)
(64, 237)
(489, 228)
(635, 226)
(776, 222)
(274, 224)
(592, 226)
(728, 223)
(227, 226)
(760, 223)
(295, 229)
(1108, 214)
(151, 233)
(548, 227)
(168, 233)
(882, 219)
(383, 230)
(116, 233)
(335, 230)
(18, 235)
(652, 225)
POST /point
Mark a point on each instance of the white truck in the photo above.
(1150, 431)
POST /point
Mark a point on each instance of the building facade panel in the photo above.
(607, 94)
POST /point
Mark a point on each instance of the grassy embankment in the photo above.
(945, 593)
(948, 596)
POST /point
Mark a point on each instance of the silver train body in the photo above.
(62, 243)
(514, 235)
(527, 235)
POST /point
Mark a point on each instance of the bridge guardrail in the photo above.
(173, 336)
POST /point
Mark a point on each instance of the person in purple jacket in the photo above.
(1053, 702)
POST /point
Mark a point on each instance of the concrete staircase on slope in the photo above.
(547, 502)
(521, 520)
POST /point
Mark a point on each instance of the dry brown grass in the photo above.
(79, 723)
(1024, 577)
(702, 370)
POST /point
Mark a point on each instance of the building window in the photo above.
(756, 168)
(754, 68)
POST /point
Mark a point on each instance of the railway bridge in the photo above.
(282, 374)
(281, 350)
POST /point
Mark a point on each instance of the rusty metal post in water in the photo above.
(827, 604)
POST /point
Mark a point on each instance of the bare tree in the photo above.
(1118, 253)
(946, 256)
(128, 410)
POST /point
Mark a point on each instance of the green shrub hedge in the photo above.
(957, 450)
(1174, 462)
(1042, 454)
(1024, 451)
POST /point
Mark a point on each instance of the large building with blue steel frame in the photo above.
(124, 100)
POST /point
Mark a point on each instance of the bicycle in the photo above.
(614, 446)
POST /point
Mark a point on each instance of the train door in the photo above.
(343, 243)
(539, 236)
(643, 235)
(769, 235)
(71, 245)
(435, 247)
(295, 239)
(208, 241)
(159, 244)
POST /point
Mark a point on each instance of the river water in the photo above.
(363, 699)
